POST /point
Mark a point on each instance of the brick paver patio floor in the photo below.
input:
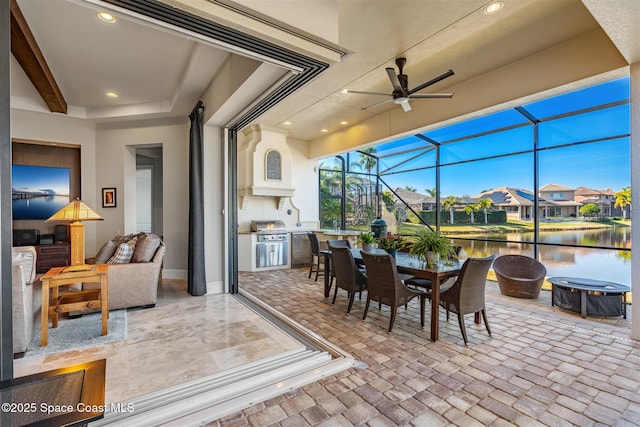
(542, 366)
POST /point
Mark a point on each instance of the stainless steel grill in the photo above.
(272, 247)
(268, 226)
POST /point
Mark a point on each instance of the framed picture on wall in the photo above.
(108, 197)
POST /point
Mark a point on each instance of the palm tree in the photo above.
(469, 210)
(431, 192)
(623, 199)
(410, 188)
(448, 204)
(484, 205)
(368, 161)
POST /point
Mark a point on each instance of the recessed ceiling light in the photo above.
(494, 7)
(344, 91)
(287, 123)
(324, 130)
(107, 17)
(344, 122)
(111, 94)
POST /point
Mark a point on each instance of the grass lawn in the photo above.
(517, 226)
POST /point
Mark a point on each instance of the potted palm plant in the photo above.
(366, 239)
(432, 246)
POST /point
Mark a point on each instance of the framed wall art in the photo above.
(109, 198)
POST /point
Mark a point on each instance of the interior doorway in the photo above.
(149, 189)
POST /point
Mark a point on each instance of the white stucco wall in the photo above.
(305, 180)
(303, 205)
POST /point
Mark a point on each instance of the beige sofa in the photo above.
(26, 294)
(133, 284)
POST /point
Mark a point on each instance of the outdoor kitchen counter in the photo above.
(350, 235)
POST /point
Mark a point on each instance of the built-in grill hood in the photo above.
(264, 166)
(268, 226)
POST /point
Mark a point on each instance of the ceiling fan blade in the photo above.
(432, 95)
(405, 105)
(431, 82)
(376, 104)
(367, 93)
(395, 82)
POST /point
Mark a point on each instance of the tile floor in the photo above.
(542, 366)
(218, 331)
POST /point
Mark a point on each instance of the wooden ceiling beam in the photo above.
(26, 51)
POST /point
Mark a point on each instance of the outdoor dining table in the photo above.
(438, 273)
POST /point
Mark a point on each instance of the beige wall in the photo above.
(61, 129)
(116, 168)
(108, 160)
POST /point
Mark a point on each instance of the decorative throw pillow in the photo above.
(123, 254)
(106, 251)
(146, 247)
(118, 240)
(132, 242)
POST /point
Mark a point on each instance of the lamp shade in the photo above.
(76, 210)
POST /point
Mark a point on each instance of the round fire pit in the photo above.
(588, 296)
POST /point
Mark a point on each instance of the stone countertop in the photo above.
(340, 232)
(307, 230)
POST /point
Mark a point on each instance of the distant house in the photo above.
(517, 202)
(604, 199)
(554, 201)
(422, 202)
(558, 201)
(417, 202)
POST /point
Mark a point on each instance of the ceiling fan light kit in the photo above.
(401, 92)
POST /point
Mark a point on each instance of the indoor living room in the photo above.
(281, 72)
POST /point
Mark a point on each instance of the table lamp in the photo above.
(76, 212)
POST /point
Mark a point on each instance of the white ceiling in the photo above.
(161, 73)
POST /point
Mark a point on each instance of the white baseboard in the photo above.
(174, 274)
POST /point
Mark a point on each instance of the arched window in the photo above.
(273, 166)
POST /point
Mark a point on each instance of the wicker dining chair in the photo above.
(467, 293)
(344, 243)
(385, 286)
(317, 256)
(348, 276)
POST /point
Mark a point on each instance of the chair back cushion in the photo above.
(146, 247)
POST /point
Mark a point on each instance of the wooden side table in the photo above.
(64, 302)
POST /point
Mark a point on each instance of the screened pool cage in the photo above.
(549, 179)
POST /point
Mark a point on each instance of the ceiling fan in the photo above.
(401, 92)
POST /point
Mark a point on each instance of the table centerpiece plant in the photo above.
(366, 239)
(432, 246)
(391, 243)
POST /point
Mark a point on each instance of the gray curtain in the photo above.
(196, 280)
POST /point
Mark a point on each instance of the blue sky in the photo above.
(41, 178)
(600, 163)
